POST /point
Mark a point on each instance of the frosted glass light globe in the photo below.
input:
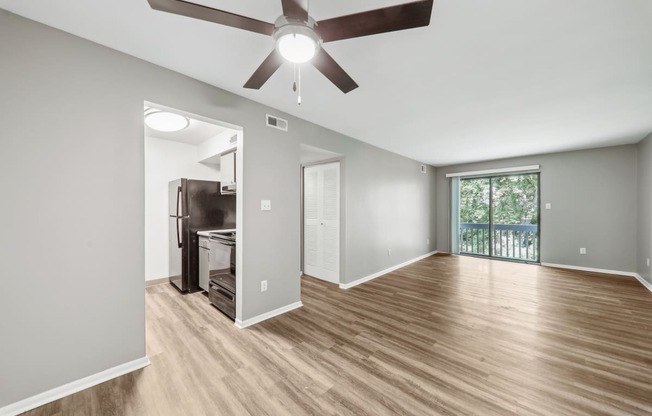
(166, 121)
(296, 47)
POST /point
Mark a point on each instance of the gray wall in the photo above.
(644, 194)
(388, 204)
(391, 209)
(71, 156)
(592, 193)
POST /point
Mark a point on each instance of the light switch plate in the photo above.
(548, 205)
(265, 205)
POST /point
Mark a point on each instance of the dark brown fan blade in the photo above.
(209, 14)
(389, 19)
(296, 9)
(331, 70)
(265, 70)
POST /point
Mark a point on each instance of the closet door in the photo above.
(321, 221)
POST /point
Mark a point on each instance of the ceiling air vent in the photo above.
(277, 123)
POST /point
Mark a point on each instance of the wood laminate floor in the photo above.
(445, 336)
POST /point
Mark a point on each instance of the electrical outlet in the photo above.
(265, 205)
(582, 250)
(427, 241)
(263, 286)
(389, 251)
(648, 262)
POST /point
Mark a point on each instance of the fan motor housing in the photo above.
(285, 26)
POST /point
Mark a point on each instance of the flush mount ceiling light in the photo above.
(166, 121)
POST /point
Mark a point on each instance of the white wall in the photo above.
(209, 150)
(166, 161)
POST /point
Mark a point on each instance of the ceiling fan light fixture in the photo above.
(307, 34)
(296, 47)
(166, 121)
(296, 42)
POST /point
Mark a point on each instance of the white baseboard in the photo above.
(73, 387)
(155, 282)
(382, 272)
(638, 277)
(589, 269)
(644, 282)
(267, 315)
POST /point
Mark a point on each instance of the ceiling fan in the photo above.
(299, 37)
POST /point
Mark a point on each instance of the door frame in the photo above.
(340, 160)
(501, 175)
(239, 197)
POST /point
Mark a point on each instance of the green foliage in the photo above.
(474, 201)
(515, 200)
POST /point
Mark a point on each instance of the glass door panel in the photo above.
(475, 201)
(515, 217)
(499, 217)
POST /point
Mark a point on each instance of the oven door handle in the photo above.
(223, 242)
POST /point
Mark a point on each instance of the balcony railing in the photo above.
(514, 241)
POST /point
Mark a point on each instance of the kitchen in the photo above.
(191, 171)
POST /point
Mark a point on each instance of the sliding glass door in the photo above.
(499, 217)
(475, 212)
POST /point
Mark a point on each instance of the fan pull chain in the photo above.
(299, 92)
(296, 85)
(294, 74)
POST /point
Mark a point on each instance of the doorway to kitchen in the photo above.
(191, 164)
(498, 217)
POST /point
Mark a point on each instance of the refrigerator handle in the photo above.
(178, 195)
(178, 235)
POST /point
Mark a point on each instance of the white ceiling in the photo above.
(486, 79)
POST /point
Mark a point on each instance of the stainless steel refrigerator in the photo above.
(194, 206)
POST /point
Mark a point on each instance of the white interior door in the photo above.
(321, 221)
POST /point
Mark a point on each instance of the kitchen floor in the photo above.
(447, 335)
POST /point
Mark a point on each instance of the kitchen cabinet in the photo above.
(227, 172)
